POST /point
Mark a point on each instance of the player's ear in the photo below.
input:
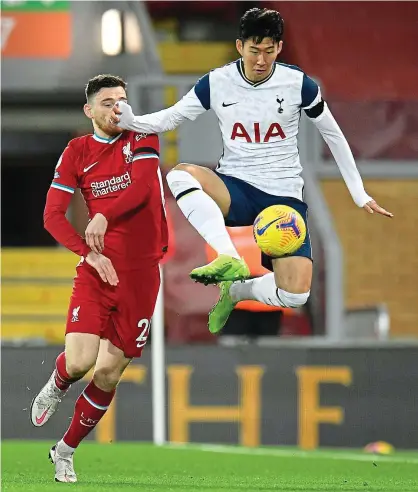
(240, 46)
(87, 111)
(280, 47)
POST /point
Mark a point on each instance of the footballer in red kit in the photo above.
(113, 175)
(117, 281)
(117, 177)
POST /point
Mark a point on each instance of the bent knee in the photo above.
(290, 300)
(79, 368)
(183, 166)
(181, 180)
(107, 379)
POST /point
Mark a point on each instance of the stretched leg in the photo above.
(205, 201)
(289, 286)
(80, 354)
(89, 408)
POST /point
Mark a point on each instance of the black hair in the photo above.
(258, 24)
(96, 83)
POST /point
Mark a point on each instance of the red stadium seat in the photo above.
(360, 51)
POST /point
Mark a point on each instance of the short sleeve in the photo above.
(202, 91)
(311, 93)
(65, 175)
(146, 147)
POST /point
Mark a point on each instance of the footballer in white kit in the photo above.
(258, 103)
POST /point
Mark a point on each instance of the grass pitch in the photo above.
(194, 468)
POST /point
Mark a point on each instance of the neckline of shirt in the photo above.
(106, 140)
(240, 67)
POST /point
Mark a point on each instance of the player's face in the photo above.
(100, 108)
(258, 58)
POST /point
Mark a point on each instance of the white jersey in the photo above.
(259, 123)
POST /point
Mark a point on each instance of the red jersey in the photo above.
(119, 178)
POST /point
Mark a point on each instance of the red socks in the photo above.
(89, 409)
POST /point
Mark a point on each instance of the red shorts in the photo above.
(120, 314)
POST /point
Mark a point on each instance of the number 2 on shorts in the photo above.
(144, 324)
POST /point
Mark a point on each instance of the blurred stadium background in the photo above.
(341, 372)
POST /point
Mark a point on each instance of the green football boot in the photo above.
(224, 268)
(219, 314)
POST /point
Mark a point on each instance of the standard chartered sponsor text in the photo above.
(101, 188)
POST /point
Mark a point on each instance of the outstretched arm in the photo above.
(194, 103)
(162, 121)
(318, 112)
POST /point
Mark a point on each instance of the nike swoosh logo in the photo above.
(42, 417)
(89, 167)
(264, 228)
(229, 104)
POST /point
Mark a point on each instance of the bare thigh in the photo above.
(81, 351)
(111, 362)
(211, 184)
(293, 274)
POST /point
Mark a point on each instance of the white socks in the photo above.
(261, 289)
(201, 211)
(206, 217)
(264, 289)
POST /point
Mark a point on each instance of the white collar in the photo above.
(106, 140)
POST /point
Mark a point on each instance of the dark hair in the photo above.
(258, 24)
(96, 83)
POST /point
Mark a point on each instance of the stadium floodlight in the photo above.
(132, 33)
(112, 32)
